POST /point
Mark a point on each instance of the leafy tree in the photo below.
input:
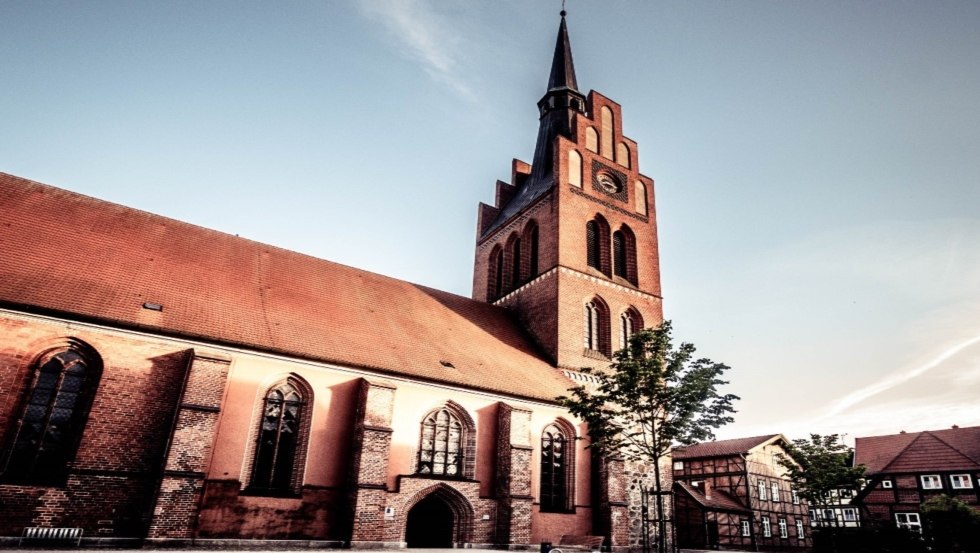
(820, 467)
(652, 397)
(951, 524)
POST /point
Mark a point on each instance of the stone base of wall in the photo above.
(240, 545)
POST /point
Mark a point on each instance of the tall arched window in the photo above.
(495, 273)
(575, 168)
(640, 205)
(629, 322)
(597, 244)
(46, 435)
(624, 254)
(595, 327)
(557, 467)
(279, 439)
(515, 255)
(530, 239)
(441, 447)
(608, 133)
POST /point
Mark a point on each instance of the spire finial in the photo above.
(563, 12)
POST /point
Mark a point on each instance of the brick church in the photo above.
(165, 383)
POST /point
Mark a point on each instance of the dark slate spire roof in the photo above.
(557, 107)
(562, 66)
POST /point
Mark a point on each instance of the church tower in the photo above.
(570, 244)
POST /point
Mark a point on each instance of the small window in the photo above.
(766, 528)
(763, 496)
(961, 481)
(678, 465)
(746, 528)
(909, 521)
(931, 482)
(799, 529)
(886, 484)
(850, 515)
(775, 492)
(796, 497)
(783, 531)
(828, 514)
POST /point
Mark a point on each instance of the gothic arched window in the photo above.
(495, 274)
(629, 322)
(557, 467)
(595, 327)
(641, 198)
(530, 238)
(280, 439)
(441, 445)
(597, 244)
(46, 435)
(624, 254)
(515, 263)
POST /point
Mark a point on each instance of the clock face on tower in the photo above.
(609, 183)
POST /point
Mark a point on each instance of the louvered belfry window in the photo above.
(47, 434)
(275, 453)
(554, 469)
(440, 446)
(619, 255)
(592, 244)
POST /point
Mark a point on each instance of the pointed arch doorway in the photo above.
(441, 518)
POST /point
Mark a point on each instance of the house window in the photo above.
(850, 515)
(556, 469)
(886, 484)
(278, 439)
(795, 496)
(766, 528)
(783, 531)
(762, 490)
(678, 465)
(931, 482)
(961, 481)
(47, 432)
(829, 514)
(775, 491)
(799, 529)
(909, 521)
(441, 445)
(814, 517)
(746, 528)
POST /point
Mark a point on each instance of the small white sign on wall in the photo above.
(389, 512)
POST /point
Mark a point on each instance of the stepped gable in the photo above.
(952, 448)
(66, 254)
(722, 448)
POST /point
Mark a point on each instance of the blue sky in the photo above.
(817, 164)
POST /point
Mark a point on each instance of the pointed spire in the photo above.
(562, 66)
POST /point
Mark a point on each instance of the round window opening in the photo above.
(609, 183)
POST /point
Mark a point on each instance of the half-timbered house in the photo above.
(906, 469)
(734, 494)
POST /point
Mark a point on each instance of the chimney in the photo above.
(707, 490)
(956, 427)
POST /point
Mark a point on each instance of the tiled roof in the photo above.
(68, 254)
(722, 448)
(949, 449)
(720, 500)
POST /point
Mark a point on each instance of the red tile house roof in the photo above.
(63, 253)
(723, 448)
(931, 450)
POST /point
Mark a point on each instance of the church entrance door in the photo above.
(430, 524)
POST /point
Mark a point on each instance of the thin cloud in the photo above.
(892, 381)
(425, 36)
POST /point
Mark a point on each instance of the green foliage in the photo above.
(651, 398)
(819, 466)
(951, 524)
